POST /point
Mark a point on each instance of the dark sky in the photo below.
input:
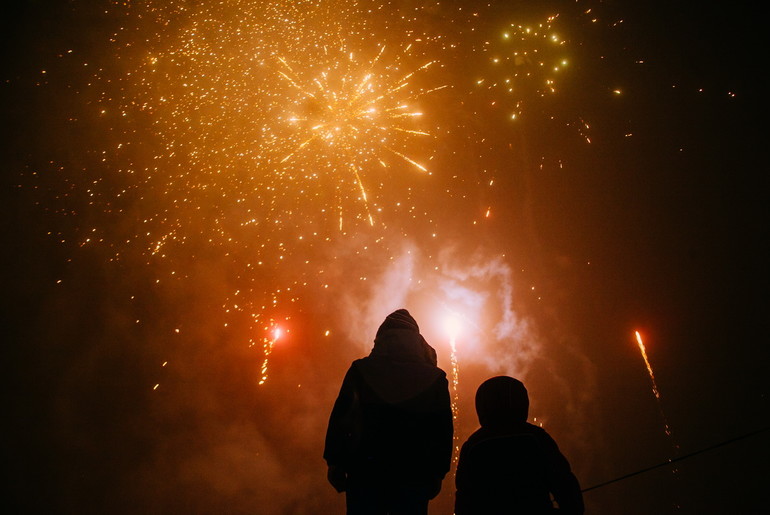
(657, 225)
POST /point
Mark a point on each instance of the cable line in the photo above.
(680, 458)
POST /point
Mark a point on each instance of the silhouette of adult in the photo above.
(508, 465)
(389, 440)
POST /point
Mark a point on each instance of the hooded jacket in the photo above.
(392, 420)
(508, 465)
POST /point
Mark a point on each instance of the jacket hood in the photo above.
(398, 339)
(402, 364)
(502, 400)
(403, 345)
(399, 319)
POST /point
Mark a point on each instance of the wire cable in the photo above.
(674, 460)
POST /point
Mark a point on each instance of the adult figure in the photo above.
(509, 465)
(389, 440)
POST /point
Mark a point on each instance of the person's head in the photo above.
(398, 337)
(399, 319)
(502, 400)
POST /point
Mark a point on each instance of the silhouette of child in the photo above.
(508, 465)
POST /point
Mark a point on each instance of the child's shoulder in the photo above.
(488, 433)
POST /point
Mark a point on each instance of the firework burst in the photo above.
(254, 134)
(351, 118)
(523, 62)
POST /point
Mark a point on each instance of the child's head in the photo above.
(501, 400)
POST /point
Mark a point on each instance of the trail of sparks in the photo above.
(455, 377)
(656, 392)
(268, 342)
(642, 349)
(452, 325)
(455, 393)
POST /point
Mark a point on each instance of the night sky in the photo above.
(192, 262)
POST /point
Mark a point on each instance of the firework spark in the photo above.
(523, 61)
(274, 333)
(655, 391)
(453, 327)
(643, 350)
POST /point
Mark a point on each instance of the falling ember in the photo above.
(655, 390)
(453, 327)
(649, 367)
(666, 427)
(267, 344)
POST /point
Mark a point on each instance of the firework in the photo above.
(254, 135)
(257, 135)
(647, 363)
(453, 328)
(352, 117)
(274, 333)
(523, 62)
(655, 391)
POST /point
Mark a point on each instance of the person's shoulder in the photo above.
(536, 430)
(357, 367)
(440, 381)
(542, 435)
(477, 436)
(366, 362)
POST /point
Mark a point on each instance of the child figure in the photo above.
(509, 466)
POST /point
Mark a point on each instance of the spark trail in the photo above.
(268, 342)
(656, 392)
(455, 367)
(453, 327)
(643, 350)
